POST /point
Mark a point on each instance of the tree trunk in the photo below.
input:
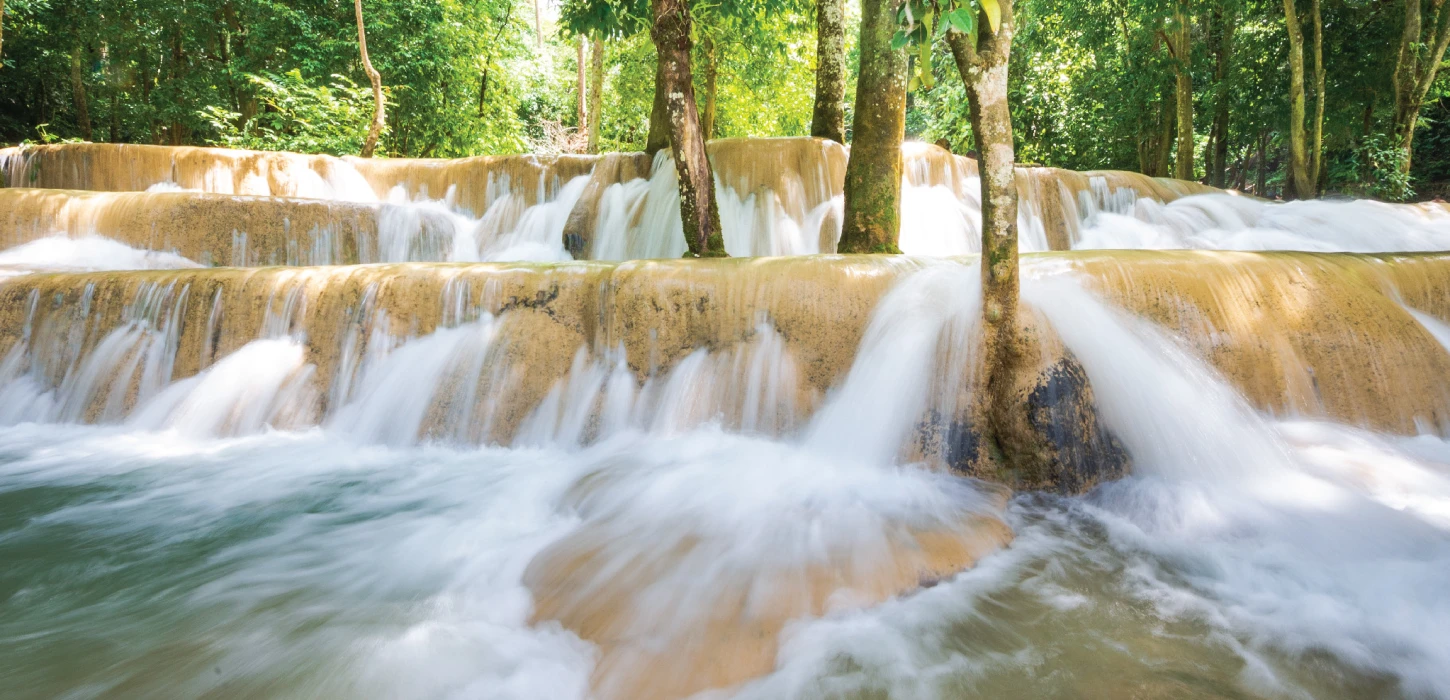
(581, 95)
(1167, 127)
(1415, 69)
(1227, 22)
(828, 119)
(659, 114)
(872, 218)
(1316, 146)
(1298, 183)
(596, 94)
(1008, 438)
(78, 92)
(1261, 182)
(698, 212)
(707, 118)
(1183, 53)
(538, 28)
(2, 34)
(376, 129)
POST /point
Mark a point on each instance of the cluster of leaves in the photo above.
(298, 116)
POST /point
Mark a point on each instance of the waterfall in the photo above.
(462, 428)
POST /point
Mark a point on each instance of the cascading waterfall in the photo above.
(640, 477)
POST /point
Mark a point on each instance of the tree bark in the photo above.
(698, 212)
(872, 218)
(707, 118)
(78, 93)
(596, 94)
(1227, 22)
(581, 96)
(1183, 55)
(376, 129)
(538, 28)
(2, 34)
(1009, 440)
(1261, 180)
(659, 114)
(1415, 69)
(1316, 146)
(828, 119)
(1298, 185)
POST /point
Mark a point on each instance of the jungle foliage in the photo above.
(1094, 83)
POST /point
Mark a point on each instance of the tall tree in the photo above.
(1316, 147)
(376, 129)
(659, 113)
(596, 93)
(1181, 47)
(698, 208)
(1299, 184)
(2, 33)
(712, 85)
(828, 119)
(581, 92)
(1224, 23)
(873, 174)
(983, 58)
(1422, 49)
(78, 93)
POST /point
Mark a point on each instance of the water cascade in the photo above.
(527, 452)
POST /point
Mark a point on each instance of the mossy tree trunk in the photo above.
(1009, 439)
(828, 119)
(1421, 53)
(1316, 145)
(581, 90)
(1298, 183)
(1183, 88)
(698, 212)
(872, 218)
(707, 117)
(596, 93)
(375, 130)
(659, 114)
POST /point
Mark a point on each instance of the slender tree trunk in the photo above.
(78, 92)
(581, 94)
(1008, 436)
(376, 129)
(698, 212)
(1316, 146)
(1261, 182)
(659, 114)
(828, 119)
(1183, 52)
(1415, 70)
(2, 34)
(1299, 184)
(538, 28)
(1227, 21)
(596, 94)
(707, 118)
(1166, 137)
(873, 174)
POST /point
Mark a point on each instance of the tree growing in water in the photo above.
(872, 218)
(699, 211)
(828, 119)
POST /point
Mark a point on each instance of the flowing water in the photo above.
(723, 479)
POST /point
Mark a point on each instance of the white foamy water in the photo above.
(1228, 222)
(159, 557)
(61, 253)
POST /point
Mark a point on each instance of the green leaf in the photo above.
(900, 41)
(994, 13)
(961, 19)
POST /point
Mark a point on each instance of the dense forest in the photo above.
(1282, 98)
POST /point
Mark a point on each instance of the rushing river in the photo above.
(661, 479)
